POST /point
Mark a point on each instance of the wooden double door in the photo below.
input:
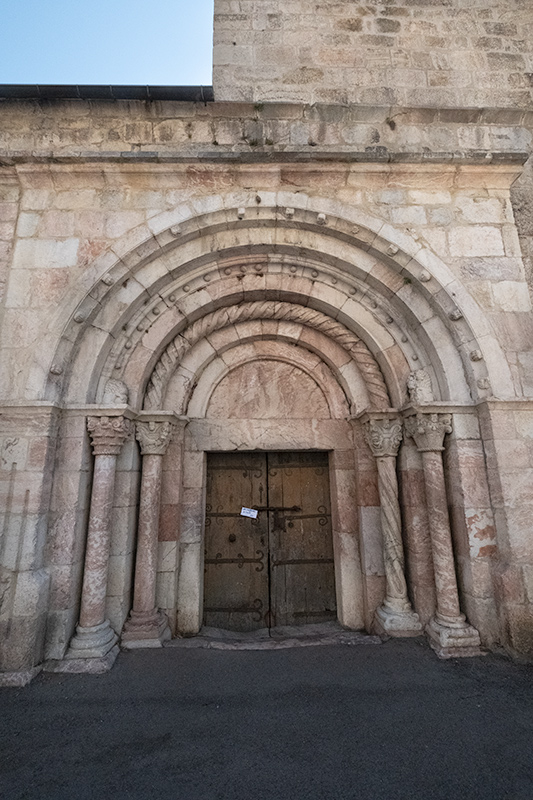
(276, 569)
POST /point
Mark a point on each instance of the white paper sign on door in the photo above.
(249, 512)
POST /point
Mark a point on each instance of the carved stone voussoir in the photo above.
(383, 436)
(108, 434)
(419, 388)
(428, 430)
(271, 310)
(154, 437)
(115, 392)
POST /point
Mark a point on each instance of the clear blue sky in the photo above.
(158, 42)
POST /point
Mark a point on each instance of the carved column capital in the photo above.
(428, 430)
(154, 436)
(108, 434)
(383, 436)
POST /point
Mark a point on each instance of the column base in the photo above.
(453, 637)
(145, 629)
(95, 641)
(20, 677)
(90, 665)
(397, 623)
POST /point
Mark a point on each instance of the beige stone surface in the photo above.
(270, 268)
(350, 52)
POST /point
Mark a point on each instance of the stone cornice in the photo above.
(317, 112)
(289, 154)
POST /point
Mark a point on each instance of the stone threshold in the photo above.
(281, 638)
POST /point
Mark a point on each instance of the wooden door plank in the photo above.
(301, 558)
(236, 588)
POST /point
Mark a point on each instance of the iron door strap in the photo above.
(255, 609)
(302, 561)
(279, 519)
(240, 560)
(277, 508)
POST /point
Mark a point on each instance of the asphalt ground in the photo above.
(381, 722)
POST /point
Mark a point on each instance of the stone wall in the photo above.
(176, 131)
(123, 219)
(522, 200)
(441, 177)
(443, 53)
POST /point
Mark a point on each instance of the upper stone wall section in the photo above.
(437, 53)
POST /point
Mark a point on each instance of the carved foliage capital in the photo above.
(429, 430)
(108, 434)
(154, 437)
(383, 436)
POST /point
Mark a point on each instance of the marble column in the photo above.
(449, 633)
(146, 625)
(383, 434)
(94, 645)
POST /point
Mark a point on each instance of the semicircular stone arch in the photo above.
(266, 310)
(379, 272)
(325, 364)
(260, 379)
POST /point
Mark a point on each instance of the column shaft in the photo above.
(98, 542)
(92, 648)
(383, 434)
(146, 625)
(391, 526)
(441, 537)
(449, 633)
(146, 561)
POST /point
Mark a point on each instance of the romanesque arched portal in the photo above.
(304, 345)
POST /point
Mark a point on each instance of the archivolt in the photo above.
(274, 310)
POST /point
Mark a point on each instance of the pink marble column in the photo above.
(449, 633)
(383, 434)
(94, 638)
(146, 625)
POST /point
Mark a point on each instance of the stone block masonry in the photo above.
(404, 52)
(334, 255)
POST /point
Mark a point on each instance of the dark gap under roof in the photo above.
(22, 91)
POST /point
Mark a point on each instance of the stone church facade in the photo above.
(329, 260)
